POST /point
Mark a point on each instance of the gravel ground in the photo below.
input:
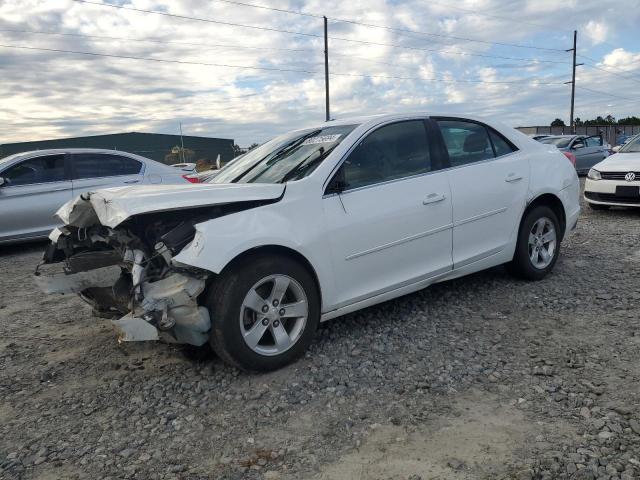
(483, 377)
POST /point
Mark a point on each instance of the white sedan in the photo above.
(312, 225)
(616, 180)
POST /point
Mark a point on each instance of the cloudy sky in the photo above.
(487, 57)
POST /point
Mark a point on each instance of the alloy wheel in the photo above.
(542, 243)
(273, 315)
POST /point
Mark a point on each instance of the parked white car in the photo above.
(616, 180)
(312, 225)
(33, 185)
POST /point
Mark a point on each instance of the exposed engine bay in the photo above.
(127, 272)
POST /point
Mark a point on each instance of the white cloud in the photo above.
(48, 94)
(596, 32)
(622, 59)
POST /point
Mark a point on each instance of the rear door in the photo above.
(391, 225)
(596, 151)
(34, 189)
(489, 178)
(92, 171)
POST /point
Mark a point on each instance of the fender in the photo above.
(219, 241)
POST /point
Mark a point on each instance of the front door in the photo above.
(489, 179)
(391, 224)
(33, 190)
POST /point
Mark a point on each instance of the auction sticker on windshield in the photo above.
(322, 139)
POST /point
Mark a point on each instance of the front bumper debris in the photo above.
(147, 296)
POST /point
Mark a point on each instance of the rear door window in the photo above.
(501, 145)
(466, 142)
(45, 169)
(95, 165)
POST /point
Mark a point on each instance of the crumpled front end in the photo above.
(127, 273)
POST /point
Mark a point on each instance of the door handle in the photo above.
(512, 177)
(433, 198)
(131, 181)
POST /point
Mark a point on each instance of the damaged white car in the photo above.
(312, 225)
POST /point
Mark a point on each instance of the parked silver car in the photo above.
(33, 185)
(588, 150)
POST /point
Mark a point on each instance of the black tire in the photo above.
(522, 266)
(224, 300)
(597, 206)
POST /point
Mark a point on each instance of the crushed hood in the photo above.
(620, 162)
(112, 206)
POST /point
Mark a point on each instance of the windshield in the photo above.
(560, 142)
(291, 156)
(632, 146)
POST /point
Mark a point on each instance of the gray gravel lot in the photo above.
(484, 377)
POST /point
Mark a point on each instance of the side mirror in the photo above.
(617, 148)
(337, 184)
(3, 182)
(577, 145)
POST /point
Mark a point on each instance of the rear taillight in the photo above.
(195, 179)
(571, 157)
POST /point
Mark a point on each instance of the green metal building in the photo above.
(157, 146)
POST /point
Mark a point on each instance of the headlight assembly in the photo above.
(594, 175)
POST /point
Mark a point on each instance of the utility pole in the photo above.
(326, 71)
(181, 141)
(573, 80)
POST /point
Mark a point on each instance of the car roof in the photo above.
(59, 151)
(372, 120)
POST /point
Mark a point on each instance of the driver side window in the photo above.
(46, 169)
(391, 152)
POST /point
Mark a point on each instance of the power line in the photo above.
(394, 29)
(220, 45)
(603, 69)
(281, 10)
(197, 19)
(342, 74)
(149, 59)
(451, 52)
(498, 17)
(595, 67)
(162, 42)
(605, 93)
(404, 67)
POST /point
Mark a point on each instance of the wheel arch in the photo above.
(275, 249)
(552, 201)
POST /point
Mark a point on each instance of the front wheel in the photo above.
(265, 310)
(538, 244)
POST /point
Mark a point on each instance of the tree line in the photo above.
(599, 120)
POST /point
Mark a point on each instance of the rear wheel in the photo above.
(265, 310)
(597, 206)
(538, 244)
